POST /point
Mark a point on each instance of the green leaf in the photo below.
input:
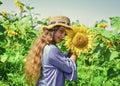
(114, 55)
(40, 22)
(1, 3)
(115, 22)
(107, 34)
(2, 29)
(3, 58)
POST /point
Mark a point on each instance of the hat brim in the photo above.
(44, 27)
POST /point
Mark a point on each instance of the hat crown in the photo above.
(60, 19)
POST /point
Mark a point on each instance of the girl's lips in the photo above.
(62, 39)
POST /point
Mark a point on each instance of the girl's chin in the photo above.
(59, 41)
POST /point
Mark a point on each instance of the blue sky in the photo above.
(86, 11)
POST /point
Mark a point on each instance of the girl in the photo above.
(46, 64)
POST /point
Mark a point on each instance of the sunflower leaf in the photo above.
(114, 55)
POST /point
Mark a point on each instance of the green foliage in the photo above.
(16, 37)
(1, 3)
(115, 22)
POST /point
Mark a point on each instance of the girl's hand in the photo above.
(74, 57)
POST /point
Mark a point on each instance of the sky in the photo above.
(86, 11)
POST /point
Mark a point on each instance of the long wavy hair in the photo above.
(33, 65)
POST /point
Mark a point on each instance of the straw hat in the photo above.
(58, 21)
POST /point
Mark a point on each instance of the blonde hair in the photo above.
(33, 65)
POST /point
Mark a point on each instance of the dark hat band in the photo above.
(60, 22)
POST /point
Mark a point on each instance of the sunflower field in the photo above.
(97, 47)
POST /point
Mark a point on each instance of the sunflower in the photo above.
(12, 33)
(79, 39)
(19, 4)
(102, 25)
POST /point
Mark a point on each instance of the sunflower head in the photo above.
(79, 40)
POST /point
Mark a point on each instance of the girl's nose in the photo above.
(63, 35)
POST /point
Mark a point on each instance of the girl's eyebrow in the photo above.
(61, 30)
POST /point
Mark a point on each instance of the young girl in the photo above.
(46, 64)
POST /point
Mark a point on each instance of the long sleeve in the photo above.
(68, 54)
(64, 64)
(73, 75)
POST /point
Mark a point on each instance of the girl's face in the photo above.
(59, 34)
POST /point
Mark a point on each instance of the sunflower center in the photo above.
(80, 40)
